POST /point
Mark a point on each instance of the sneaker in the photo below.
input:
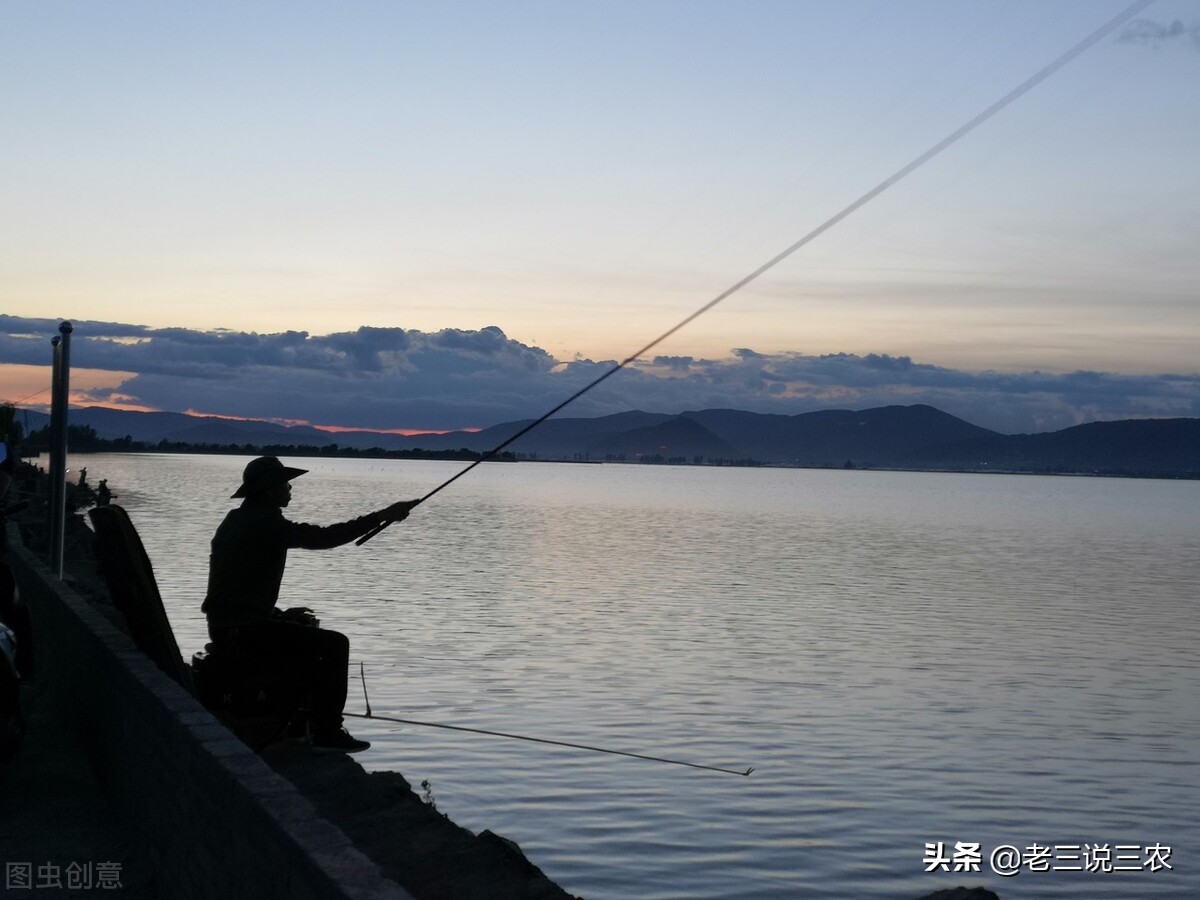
(340, 741)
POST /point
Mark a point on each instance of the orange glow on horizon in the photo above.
(29, 386)
(128, 406)
(407, 432)
(332, 429)
(198, 414)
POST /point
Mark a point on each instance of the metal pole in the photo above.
(59, 391)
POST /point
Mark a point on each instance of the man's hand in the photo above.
(299, 615)
(398, 512)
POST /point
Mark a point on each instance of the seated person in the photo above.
(249, 553)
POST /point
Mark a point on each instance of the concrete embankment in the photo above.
(58, 833)
(207, 816)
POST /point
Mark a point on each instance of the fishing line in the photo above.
(30, 397)
(521, 737)
(537, 740)
(945, 143)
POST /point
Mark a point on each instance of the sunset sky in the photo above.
(442, 215)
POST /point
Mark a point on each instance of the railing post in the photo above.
(60, 382)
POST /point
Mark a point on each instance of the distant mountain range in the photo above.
(907, 437)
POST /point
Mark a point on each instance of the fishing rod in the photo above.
(523, 737)
(945, 143)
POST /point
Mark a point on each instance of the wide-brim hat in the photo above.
(265, 473)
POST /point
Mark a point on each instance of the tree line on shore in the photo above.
(85, 439)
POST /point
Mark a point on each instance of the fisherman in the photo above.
(249, 553)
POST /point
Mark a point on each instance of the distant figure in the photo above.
(103, 495)
(7, 467)
(83, 477)
(249, 553)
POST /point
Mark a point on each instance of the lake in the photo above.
(906, 660)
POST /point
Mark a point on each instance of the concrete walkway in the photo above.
(58, 835)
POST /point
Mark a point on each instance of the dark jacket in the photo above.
(249, 553)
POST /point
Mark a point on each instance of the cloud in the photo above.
(1145, 31)
(384, 378)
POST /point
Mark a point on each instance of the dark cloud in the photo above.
(43, 329)
(1145, 31)
(401, 378)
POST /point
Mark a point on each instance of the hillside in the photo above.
(910, 437)
(1150, 447)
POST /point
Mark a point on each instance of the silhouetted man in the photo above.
(249, 553)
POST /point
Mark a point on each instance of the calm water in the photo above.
(903, 658)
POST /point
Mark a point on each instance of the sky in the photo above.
(430, 216)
